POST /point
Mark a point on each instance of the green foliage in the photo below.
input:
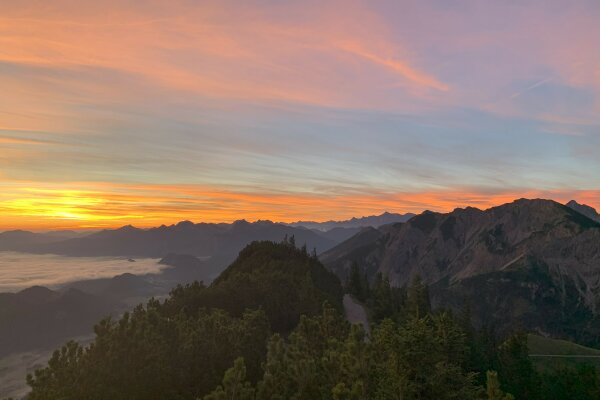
(235, 386)
(417, 303)
(216, 343)
(386, 301)
(516, 369)
(580, 383)
(62, 375)
(421, 360)
(358, 284)
(322, 358)
(282, 280)
(152, 354)
(180, 349)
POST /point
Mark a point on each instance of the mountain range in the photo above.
(374, 221)
(534, 263)
(219, 241)
(530, 263)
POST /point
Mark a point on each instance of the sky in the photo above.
(144, 113)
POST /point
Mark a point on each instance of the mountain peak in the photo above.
(185, 224)
(128, 228)
(584, 209)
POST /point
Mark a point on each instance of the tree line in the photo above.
(271, 327)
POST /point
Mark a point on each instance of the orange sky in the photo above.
(104, 205)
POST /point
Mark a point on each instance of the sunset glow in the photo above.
(110, 205)
(149, 113)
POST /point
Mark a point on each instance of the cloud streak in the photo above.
(409, 103)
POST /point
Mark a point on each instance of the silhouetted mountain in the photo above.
(38, 317)
(121, 287)
(533, 263)
(20, 240)
(221, 241)
(73, 310)
(374, 221)
(284, 281)
(586, 210)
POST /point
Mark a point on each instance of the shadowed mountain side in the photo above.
(76, 307)
(365, 245)
(180, 269)
(39, 317)
(338, 235)
(584, 209)
(536, 261)
(19, 240)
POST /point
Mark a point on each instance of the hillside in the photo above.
(262, 331)
(279, 278)
(28, 313)
(548, 353)
(181, 347)
(530, 263)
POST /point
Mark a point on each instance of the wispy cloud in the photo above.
(402, 68)
(21, 141)
(531, 87)
(390, 99)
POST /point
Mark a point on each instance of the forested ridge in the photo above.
(272, 327)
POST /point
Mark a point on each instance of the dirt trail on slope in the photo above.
(355, 313)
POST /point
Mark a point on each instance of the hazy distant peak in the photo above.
(127, 228)
(185, 223)
(374, 221)
(584, 209)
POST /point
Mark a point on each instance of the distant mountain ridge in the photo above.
(24, 315)
(532, 261)
(374, 221)
(221, 241)
(202, 239)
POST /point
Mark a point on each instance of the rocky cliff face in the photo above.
(518, 258)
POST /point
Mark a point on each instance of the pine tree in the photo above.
(418, 303)
(356, 285)
(235, 386)
(516, 369)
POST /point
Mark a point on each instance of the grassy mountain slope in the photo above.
(569, 354)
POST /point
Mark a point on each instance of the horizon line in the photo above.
(273, 221)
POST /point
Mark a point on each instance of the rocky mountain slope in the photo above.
(536, 262)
